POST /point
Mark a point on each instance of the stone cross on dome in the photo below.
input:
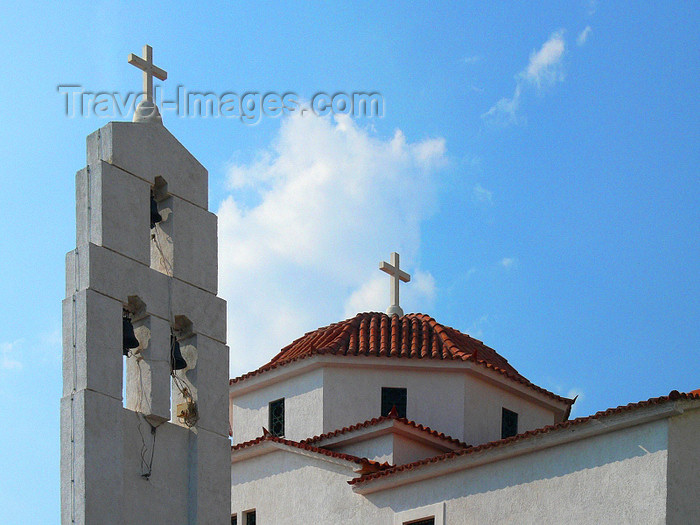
(397, 275)
(147, 111)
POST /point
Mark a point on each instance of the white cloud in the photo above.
(505, 111)
(370, 297)
(481, 194)
(472, 59)
(508, 262)
(331, 202)
(476, 330)
(583, 36)
(544, 68)
(8, 354)
(373, 295)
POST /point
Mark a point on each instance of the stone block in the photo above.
(148, 152)
(148, 370)
(92, 351)
(84, 229)
(120, 277)
(72, 482)
(212, 498)
(212, 382)
(74, 264)
(163, 497)
(116, 276)
(194, 245)
(113, 210)
(92, 459)
(206, 311)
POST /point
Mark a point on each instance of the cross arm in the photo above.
(391, 270)
(137, 61)
(159, 73)
(140, 63)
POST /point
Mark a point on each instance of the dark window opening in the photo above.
(276, 419)
(394, 397)
(425, 521)
(234, 519)
(156, 217)
(509, 423)
(250, 517)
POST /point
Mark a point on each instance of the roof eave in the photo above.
(388, 426)
(265, 447)
(533, 443)
(314, 361)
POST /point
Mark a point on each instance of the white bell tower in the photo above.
(146, 250)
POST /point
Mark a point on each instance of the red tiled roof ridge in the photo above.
(377, 421)
(674, 395)
(350, 337)
(310, 448)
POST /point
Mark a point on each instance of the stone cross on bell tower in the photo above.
(397, 275)
(149, 69)
(147, 109)
(142, 316)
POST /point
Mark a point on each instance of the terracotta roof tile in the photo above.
(672, 396)
(379, 420)
(413, 336)
(367, 464)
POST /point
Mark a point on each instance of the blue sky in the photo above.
(536, 165)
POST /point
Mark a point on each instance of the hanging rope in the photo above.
(146, 464)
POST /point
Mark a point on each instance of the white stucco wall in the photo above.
(286, 488)
(378, 448)
(460, 405)
(483, 404)
(354, 394)
(615, 478)
(390, 448)
(407, 450)
(683, 498)
(618, 477)
(303, 405)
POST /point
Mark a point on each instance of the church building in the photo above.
(398, 419)
(381, 419)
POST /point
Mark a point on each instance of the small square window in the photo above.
(509, 423)
(250, 517)
(394, 397)
(276, 418)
